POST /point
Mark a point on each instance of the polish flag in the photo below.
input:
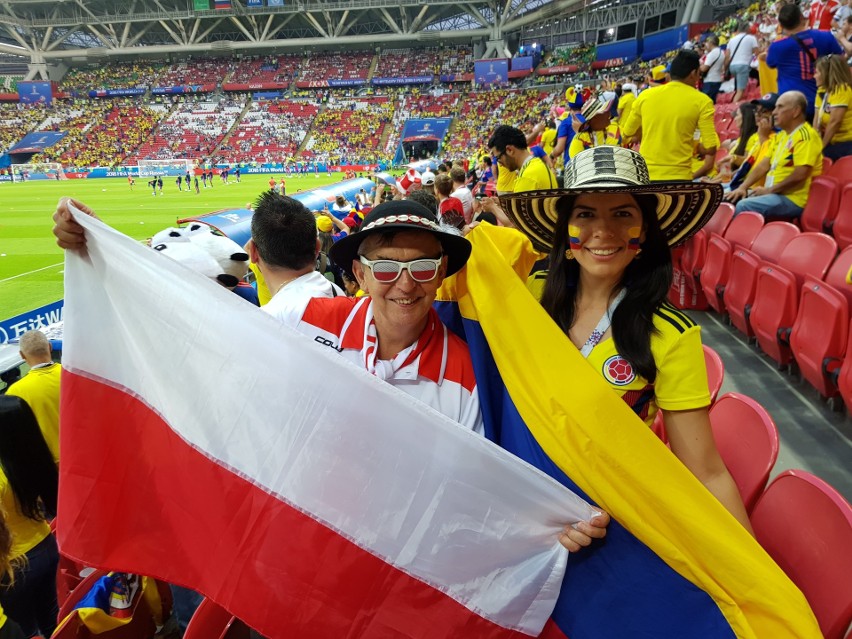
(206, 444)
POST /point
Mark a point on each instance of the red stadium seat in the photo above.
(841, 170)
(827, 163)
(211, 621)
(841, 228)
(694, 251)
(806, 527)
(743, 229)
(721, 218)
(773, 237)
(714, 274)
(819, 335)
(739, 291)
(776, 297)
(747, 440)
(821, 207)
(741, 233)
(715, 377)
(79, 592)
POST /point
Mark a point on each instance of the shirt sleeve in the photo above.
(772, 55)
(841, 97)
(707, 125)
(681, 382)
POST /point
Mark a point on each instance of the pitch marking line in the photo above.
(43, 268)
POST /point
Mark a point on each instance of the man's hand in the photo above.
(69, 234)
(761, 190)
(736, 195)
(575, 538)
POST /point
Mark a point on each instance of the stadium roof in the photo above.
(91, 30)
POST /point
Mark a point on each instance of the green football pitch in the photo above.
(31, 265)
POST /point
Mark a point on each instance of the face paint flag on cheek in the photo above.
(634, 232)
(574, 236)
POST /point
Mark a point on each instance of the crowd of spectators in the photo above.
(16, 120)
(277, 68)
(351, 130)
(420, 105)
(115, 75)
(105, 138)
(352, 65)
(192, 71)
(270, 131)
(560, 56)
(9, 83)
(406, 62)
(455, 60)
(192, 130)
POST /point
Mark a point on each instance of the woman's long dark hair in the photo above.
(748, 128)
(646, 281)
(26, 460)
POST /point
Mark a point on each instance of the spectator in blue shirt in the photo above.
(795, 56)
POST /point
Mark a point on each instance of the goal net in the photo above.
(37, 171)
(176, 166)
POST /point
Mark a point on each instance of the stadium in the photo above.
(178, 122)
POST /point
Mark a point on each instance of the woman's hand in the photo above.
(580, 535)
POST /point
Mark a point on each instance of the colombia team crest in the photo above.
(618, 371)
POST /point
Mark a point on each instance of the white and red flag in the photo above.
(207, 444)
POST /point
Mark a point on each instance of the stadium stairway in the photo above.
(310, 134)
(227, 137)
(372, 70)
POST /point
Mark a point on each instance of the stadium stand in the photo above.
(107, 139)
(455, 60)
(270, 131)
(336, 66)
(16, 120)
(195, 71)
(116, 75)
(350, 130)
(395, 63)
(192, 130)
(259, 69)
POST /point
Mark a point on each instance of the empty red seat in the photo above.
(747, 439)
(739, 291)
(820, 332)
(841, 228)
(211, 621)
(743, 229)
(841, 170)
(776, 297)
(806, 527)
(714, 274)
(721, 218)
(821, 207)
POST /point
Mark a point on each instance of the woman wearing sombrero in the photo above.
(608, 234)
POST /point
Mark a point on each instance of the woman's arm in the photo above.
(834, 121)
(691, 440)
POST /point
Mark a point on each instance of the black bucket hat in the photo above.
(401, 215)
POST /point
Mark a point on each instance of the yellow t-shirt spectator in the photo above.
(534, 175)
(40, 390)
(587, 139)
(840, 97)
(548, 140)
(668, 116)
(625, 105)
(802, 147)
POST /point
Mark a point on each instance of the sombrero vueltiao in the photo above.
(682, 207)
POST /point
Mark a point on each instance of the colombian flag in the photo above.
(674, 563)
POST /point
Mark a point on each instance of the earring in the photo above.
(636, 256)
(569, 255)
